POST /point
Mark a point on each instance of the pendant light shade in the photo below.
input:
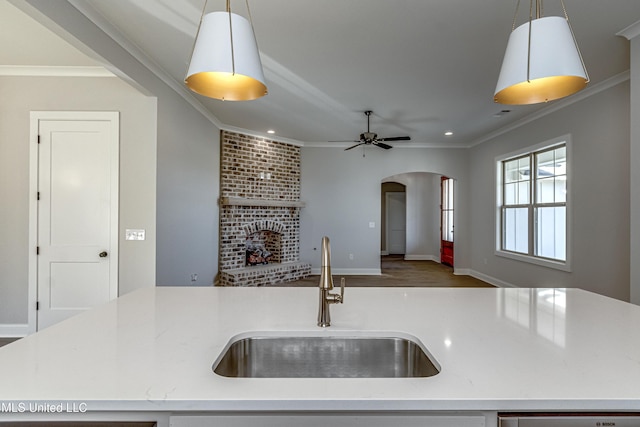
(225, 63)
(541, 63)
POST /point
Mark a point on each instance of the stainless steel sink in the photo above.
(325, 357)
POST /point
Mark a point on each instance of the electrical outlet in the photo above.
(194, 277)
(351, 257)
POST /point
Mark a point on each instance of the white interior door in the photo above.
(77, 215)
(396, 222)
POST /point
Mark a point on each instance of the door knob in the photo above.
(103, 254)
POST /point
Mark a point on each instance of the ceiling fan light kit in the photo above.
(225, 62)
(542, 61)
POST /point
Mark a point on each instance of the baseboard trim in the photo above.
(350, 271)
(384, 253)
(421, 258)
(14, 330)
(489, 279)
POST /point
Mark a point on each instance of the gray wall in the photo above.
(599, 126)
(342, 191)
(19, 96)
(188, 191)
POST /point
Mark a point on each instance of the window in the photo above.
(532, 205)
(446, 207)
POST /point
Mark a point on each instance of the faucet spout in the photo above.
(326, 280)
(326, 285)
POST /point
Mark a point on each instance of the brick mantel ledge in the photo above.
(241, 201)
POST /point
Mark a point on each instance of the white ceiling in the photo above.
(423, 66)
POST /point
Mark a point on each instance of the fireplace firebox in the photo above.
(262, 247)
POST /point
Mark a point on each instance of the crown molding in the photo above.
(631, 31)
(54, 71)
(557, 105)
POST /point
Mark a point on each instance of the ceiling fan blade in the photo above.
(396, 138)
(354, 146)
(350, 140)
(381, 145)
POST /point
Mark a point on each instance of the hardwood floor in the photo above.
(400, 273)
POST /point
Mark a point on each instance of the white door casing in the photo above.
(75, 223)
(396, 227)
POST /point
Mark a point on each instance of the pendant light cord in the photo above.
(566, 16)
(529, 42)
(515, 16)
(251, 22)
(233, 57)
(195, 39)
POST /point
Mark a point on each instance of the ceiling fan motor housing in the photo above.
(368, 136)
(371, 138)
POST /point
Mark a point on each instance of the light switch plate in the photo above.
(372, 224)
(131, 234)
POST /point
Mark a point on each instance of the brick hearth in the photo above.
(260, 191)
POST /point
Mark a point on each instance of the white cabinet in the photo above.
(347, 419)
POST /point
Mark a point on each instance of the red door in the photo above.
(446, 220)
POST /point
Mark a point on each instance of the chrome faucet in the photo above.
(326, 285)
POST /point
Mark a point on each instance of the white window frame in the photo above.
(544, 262)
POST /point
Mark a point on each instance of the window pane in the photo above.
(515, 230)
(447, 194)
(546, 165)
(447, 226)
(511, 171)
(523, 193)
(516, 170)
(561, 189)
(511, 193)
(551, 176)
(546, 190)
(551, 231)
(524, 168)
(561, 160)
(561, 174)
(517, 176)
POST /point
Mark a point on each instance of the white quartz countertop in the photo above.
(499, 349)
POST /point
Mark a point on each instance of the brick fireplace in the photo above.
(259, 212)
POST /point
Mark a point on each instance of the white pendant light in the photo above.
(542, 62)
(225, 63)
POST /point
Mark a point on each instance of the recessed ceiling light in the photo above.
(271, 131)
(448, 133)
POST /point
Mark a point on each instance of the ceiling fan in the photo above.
(371, 138)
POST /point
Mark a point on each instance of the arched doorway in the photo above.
(428, 218)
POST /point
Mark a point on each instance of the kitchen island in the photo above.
(148, 356)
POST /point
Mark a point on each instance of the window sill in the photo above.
(556, 265)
